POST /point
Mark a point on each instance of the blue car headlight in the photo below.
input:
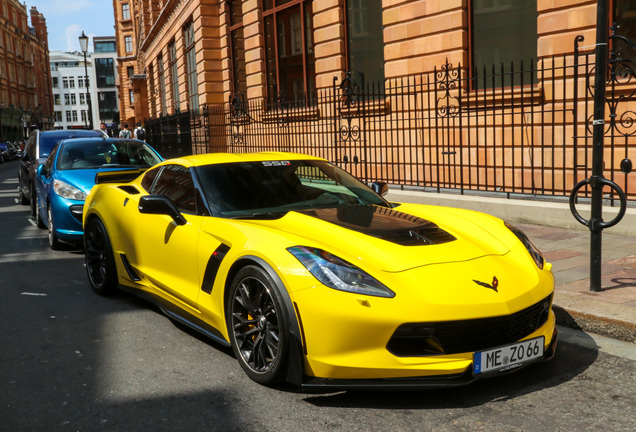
(532, 250)
(338, 274)
(65, 190)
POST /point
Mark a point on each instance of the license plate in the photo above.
(508, 357)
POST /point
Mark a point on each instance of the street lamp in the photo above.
(83, 41)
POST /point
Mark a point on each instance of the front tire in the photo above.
(258, 326)
(54, 242)
(100, 262)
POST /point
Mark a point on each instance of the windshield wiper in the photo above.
(260, 215)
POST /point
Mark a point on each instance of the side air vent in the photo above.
(129, 189)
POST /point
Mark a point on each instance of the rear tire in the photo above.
(100, 262)
(34, 202)
(23, 199)
(258, 326)
(38, 213)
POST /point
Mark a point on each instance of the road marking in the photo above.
(33, 294)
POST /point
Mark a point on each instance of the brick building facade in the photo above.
(25, 80)
(515, 77)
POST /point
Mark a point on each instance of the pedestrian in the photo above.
(102, 127)
(140, 132)
(125, 133)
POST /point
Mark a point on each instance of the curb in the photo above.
(611, 320)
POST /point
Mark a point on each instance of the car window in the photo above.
(243, 188)
(149, 178)
(83, 154)
(49, 160)
(175, 182)
(30, 147)
(48, 140)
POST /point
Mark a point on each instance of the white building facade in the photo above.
(72, 82)
(70, 98)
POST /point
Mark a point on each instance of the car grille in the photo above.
(453, 337)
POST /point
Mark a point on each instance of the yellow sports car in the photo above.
(314, 278)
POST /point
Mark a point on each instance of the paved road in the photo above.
(72, 361)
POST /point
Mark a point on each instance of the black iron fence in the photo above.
(448, 130)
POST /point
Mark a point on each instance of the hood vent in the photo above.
(384, 223)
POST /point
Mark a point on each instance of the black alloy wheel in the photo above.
(258, 326)
(100, 262)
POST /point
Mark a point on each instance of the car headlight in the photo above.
(532, 250)
(65, 190)
(338, 274)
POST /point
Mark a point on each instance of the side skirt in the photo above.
(179, 315)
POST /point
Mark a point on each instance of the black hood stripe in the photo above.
(384, 223)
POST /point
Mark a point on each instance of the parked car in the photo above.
(314, 278)
(37, 149)
(68, 174)
(4, 151)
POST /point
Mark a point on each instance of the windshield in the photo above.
(100, 153)
(48, 140)
(272, 188)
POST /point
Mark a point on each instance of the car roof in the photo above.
(70, 133)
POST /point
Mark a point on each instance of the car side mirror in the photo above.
(41, 171)
(380, 188)
(160, 205)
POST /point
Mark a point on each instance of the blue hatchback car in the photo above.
(68, 175)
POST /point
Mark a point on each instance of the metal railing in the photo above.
(447, 130)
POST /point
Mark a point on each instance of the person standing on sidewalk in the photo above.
(125, 133)
(140, 132)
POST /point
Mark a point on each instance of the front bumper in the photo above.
(416, 383)
(67, 219)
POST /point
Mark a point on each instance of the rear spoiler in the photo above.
(121, 176)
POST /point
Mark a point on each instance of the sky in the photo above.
(66, 19)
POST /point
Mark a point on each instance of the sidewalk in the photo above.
(611, 312)
(565, 244)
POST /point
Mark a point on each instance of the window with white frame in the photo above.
(125, 11)
(128, 45)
